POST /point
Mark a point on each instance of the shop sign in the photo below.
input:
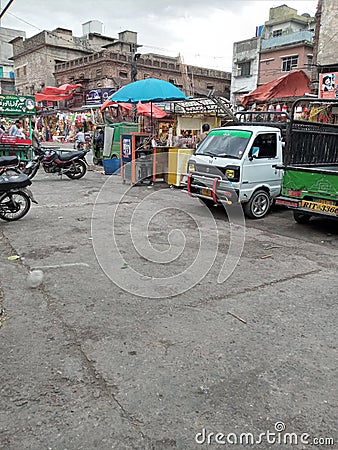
(106, 93)
(17, 104)
(93, 97)
(98, 96)
(328, 85)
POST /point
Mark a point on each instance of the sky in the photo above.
(202, 31)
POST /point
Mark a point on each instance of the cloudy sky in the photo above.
(202, 31)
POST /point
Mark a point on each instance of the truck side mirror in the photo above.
(254, 152)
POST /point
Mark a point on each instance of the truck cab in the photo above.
(238, 163)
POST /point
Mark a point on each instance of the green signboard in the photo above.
(14, 105)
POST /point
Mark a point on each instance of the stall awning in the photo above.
(293, 84)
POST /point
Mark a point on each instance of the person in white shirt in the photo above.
(16, 130)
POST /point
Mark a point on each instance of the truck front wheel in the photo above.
(301, 217)
(258, 205)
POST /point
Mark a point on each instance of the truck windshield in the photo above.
(225, 143)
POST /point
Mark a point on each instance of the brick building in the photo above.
(111, 69)
(98, 62)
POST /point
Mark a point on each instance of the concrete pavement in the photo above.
(86, 364)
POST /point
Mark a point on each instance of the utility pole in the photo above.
(2, 13)
(133, 73)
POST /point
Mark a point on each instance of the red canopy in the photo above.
(64, 89)
(56, 94)
(293, 84)
(145, 109)
(52, 97)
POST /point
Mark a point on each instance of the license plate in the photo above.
(321, 207)
(206, 192)
(326, 202)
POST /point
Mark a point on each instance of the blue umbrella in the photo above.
(148, 90)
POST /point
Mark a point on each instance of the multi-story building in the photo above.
(245, 67)
(284, 43)
(35, 58)
(7, 85)
(53, 58)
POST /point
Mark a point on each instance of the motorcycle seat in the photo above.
(70, 155)
(14, 182)
(6, 161)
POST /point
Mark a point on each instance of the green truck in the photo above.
(310, 160)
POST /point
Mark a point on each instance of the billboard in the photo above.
(17, 104)
(328, 85)
(98, 96)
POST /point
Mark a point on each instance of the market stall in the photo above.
(16, 114)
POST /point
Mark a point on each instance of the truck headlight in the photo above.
(230, 173)
(191, 167)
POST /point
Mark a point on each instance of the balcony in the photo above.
(287, 39)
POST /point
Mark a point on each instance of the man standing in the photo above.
(16, 130)
(204, 134)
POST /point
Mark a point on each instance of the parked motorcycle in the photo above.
(71, 164)
(15, 197)
(9, 165)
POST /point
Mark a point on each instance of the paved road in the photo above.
(87, 364)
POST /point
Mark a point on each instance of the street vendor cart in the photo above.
(12, 108)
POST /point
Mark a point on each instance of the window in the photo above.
(123, 74)
(289, 63)
(267, 144)
(244, 69)
(172, 80)
(277, 33)
(210, 86)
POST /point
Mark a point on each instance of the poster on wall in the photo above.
(328, 85)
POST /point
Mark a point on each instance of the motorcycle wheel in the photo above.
(77, 171)
(14, 206)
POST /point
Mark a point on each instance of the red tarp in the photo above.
(52, 97)
(64, 89)
(293, 84)
(56, 94)
(145, 109)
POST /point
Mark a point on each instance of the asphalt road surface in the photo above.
(145, 337)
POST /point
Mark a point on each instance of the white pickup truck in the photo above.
(238, 163)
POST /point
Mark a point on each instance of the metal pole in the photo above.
(133, 73)
(2, 13)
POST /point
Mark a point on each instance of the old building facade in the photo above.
(53, 58)
(35, 58)
(326, 39)
(112, 69)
